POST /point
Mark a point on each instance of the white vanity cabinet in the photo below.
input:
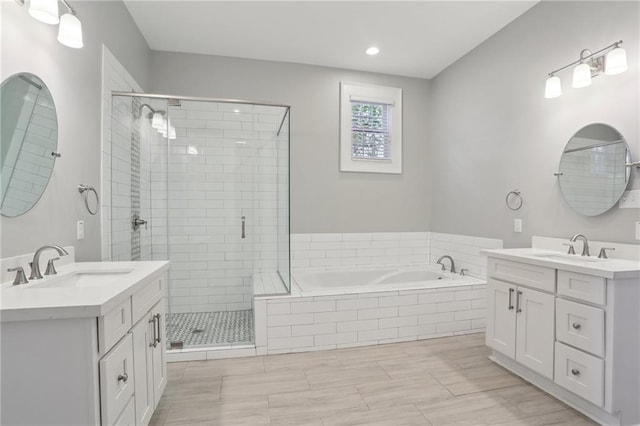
(150, 367)
(570, 330)
(94, 364)
(520, 320)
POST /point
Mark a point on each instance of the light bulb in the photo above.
(616, 61)
(581, 76)
(156, 121)
(553, 87)
(70, 31)
(372, 51)
(44, 11)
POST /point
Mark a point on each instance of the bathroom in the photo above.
(473, 131)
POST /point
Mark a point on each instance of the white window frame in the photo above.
(375, 94)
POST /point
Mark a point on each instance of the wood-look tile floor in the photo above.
(445, 381)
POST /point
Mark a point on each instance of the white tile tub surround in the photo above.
(299, 324)
(359, 249)
(464, 249)
(362, 250)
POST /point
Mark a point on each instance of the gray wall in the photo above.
(493, 131)
(323, 199)
(74, 79)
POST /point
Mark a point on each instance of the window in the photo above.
(370, 128)
(370, 131)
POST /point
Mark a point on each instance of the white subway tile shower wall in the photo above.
(114, 141)
(389, 248)
(222, 166)
(300, 324)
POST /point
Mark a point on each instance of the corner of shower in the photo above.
(203, 183)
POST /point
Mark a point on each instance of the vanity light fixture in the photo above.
(70, 30)
(588, 66)
(45, 11)
(553, 87)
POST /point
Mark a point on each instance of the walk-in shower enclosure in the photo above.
(205, 184)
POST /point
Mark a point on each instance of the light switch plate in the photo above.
(80, 229)
(637, 230)
(517, 225)
(630, 199)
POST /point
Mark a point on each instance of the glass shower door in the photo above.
(211, 223)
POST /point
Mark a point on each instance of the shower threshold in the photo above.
(210, 329)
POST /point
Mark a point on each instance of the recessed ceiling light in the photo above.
(236, 111)
(373, 51)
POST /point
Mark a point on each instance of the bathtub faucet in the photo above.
(453, 266)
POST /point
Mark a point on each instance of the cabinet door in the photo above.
(535, 330)
(117, 380)
(158, 359)
(501, 317)
(142, 357)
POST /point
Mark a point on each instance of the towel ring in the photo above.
(514, 200)
(85, 190)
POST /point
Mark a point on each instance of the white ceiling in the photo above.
(416, 38)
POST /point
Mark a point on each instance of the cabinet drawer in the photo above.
(580, 373)
(113, 325)
(584, 287)
(144, 299)
(116, 380)
(581, 326)
(522, 273)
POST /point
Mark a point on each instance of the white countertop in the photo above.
(605, 268)
(43, 299)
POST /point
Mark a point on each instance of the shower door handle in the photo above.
(243, 221)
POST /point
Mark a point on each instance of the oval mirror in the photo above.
(28, 139)
(593, 169)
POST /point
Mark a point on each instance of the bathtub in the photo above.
(349, 281)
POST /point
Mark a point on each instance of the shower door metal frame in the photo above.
(286, 114)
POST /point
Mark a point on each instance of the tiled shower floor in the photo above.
(211, 328)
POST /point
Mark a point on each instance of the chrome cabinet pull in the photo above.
(243, 221)
(518, 294)
(124, 376)
(154, 340)
(510, 295)
(575, 372)
(576, 326)
(157, 318)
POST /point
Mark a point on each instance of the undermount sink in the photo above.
(568, 257)
(81, 279)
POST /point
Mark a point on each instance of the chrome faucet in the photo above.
(439, 262)
(35, 265)
(585, 244)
